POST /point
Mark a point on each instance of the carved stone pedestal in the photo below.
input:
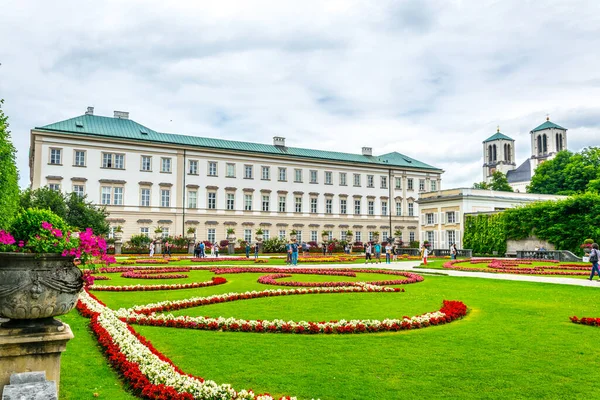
(33, 348)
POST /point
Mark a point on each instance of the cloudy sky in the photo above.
(430, 79)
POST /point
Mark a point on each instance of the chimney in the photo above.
(90, 111)
(122, 114)
(367, 151)
(278, 141)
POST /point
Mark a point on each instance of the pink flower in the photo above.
(46, 225)
(21, 243)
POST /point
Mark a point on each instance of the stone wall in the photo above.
(531, 243)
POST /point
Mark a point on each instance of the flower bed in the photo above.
(218, 259)
(217, 280)
(272, 280)
(450, 311)
(149, 373)
(138, 275)
(586, 321)
(511, 267)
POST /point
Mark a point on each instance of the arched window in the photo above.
(558, 142)
(494, 148)
(508, 155)
(490, 155)
(545, 143)
(539, 145)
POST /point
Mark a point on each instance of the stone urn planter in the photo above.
(348, 238)
(37, 287)
(375, 238)
(397, 241)
(259, 237)
(293, 237)
(325, 238)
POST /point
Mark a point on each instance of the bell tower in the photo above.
(498, 154)
(546, 140)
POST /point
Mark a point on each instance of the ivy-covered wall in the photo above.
(564, 223)
(485, 234)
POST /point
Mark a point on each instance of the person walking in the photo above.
(424, 253)
(453, 251)
(212, 250)
(368, 253)
(324, 249)
(378, 253)
(304, 249)
(594, 255)
(288, 253)
(255, 251)
(388, 253)
(330, 248)
(166, 249)
(294, 247)
(247, 249)
(202, 250)
(216, 247)
(152, 248)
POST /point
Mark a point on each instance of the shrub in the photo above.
(138, 241)
(274, 245)
(28, 224)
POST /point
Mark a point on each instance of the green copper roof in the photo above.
(547, 125)
(128, 129)
(497, 136)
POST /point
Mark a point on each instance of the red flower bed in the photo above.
(137, 275)
(272, 280)
(586, 321)
(219, 259)
(511, 267)
(216, 280)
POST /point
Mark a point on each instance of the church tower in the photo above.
(546, 140)
(498, 155)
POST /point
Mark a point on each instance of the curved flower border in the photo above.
(217, 280)
(511, 267)
(586, 321)
(150, 373)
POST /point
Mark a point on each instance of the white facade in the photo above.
(147, 184)
(442, 212)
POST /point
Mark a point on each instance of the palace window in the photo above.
(212, 200)
(79, 158)
(193, 167)
(212, 168)
(165, 197)
(165, 165)
(145, 197)
(56, 156)
(146, 163)
(230, 170)
(282, 174)
(343, 177)
(192, 199)
(248, 202)
(230, 205)
(248, 169)
(265, 174)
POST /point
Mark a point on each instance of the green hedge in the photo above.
(564, 223)
(485, 233)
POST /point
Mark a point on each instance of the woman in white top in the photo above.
(151, 248)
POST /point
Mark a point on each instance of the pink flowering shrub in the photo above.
(42, 231)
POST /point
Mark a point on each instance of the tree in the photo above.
(498, 182)
(83, 214)
(9, 176)
(76, 211)
(568, 173)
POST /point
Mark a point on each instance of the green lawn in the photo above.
(516, 342)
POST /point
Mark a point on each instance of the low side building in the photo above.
(442, 212)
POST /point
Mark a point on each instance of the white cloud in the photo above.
(431, 79)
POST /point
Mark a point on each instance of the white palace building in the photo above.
(148, 179)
